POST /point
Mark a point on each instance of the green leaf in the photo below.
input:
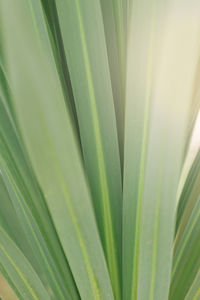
(5, 95)
(20, 271)
(35, 238)
(48, 135)
(14, 159)
(51, 18)
(186, 260)
(143, 39)
(194, 291)
(155, 140)
(188, 198)
(85, 47)
(116, 66)
(10, 223)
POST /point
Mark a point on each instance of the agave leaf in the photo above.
(35, 238)
(48, 135)
(10, 223)
(20, 271)
(14, 157)
(188, 198)
(115, 65)
(186, 257)
(143, 39)
(190, 157)
(25, 217)
(155, 140)
(7, 213)
(5, 96)
(194, 291)
(119, 9)
(51, 18)
(85, 47)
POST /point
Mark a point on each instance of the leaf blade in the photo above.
(87, 60)
(53, 151)
(20, 271)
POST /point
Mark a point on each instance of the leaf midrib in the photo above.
(35, 297)
(24, 207)
(135, 271)
(110, 247)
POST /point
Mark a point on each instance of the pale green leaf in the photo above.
(20, 271)
(115, 64)
(14, 159)
(162, 58)
(194, 291)
(35, 238)
(47, 131)
(51, 17)
(10, 223)
(85, 47)
(188, 198)
(186, 260)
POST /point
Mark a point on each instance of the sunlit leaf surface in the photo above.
(100, 149)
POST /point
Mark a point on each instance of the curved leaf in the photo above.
(85, 48)
(194, 291)
(20, 271)
(188, 199)
(186, 260)
(14, 157)
(162, 59)
(53, 150)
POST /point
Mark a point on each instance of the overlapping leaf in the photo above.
(187, 257)
(189, 196)
(155, 139)
(85, 47)
(48, 135)
(194, 291)
(20, 271)
(63, 84)
(13, 159)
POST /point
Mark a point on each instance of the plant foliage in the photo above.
(99, 191)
